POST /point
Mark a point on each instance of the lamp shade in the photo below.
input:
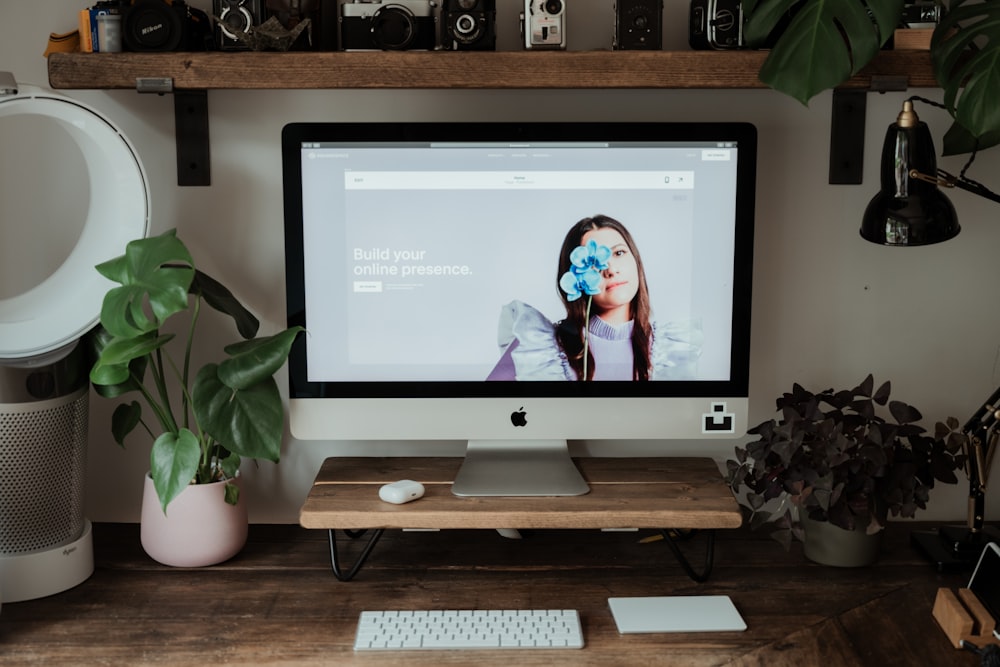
(908, 211)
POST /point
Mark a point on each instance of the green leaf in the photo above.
(965, 52)
(230, 464)
(825, 43)
(173, 463)
(155, 274)
(124, 420)
(114, 365)
(256, 360)
(232, 493)
(221, 299)
(109, 382)
(249, 422)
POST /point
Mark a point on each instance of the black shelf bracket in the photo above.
(194, 166)
(847, 128)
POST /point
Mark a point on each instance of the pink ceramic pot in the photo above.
(198, 529)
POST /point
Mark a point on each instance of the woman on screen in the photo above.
(602, 283)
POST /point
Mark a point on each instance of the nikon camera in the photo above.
(543, 24)
(469, 25)
(166, 25)
(391, 25)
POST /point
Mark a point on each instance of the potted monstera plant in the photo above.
(825, 42)
(203, 421)
(838, 464)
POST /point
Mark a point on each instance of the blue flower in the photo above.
(590, 256)
(584, 275)
(577, 284)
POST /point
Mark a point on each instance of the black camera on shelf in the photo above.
(638, 25)
(394, 25)
(716, 24)
(166, 25)
(469, 25)
(233, 15)
(921, 14)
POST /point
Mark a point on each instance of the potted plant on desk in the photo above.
(192, 511)
(843, 467)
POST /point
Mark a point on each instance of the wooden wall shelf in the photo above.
(448, 69)
(190, 75)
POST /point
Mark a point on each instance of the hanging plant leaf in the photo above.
(825, 43)
(965, 53)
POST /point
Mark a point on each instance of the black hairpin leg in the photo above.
(335, 559)
(700, 577)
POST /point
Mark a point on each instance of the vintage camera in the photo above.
(543, 24)
(925, 14)
(166, 25)
(242, 15)
(716, 24)
(469, 25)
(395, 25)
(638, 25)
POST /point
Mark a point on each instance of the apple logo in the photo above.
(519, 417)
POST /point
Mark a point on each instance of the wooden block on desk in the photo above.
(963, 616)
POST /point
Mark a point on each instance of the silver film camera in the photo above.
(390, 25)
(543, 24)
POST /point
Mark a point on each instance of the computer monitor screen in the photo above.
(446, 272)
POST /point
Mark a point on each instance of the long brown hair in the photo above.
(570, 331)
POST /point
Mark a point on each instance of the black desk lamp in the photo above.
(958, 547)
(911, 210)
(908, 210)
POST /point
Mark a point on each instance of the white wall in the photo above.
(828, 307)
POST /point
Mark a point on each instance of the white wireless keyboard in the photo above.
(469, 629)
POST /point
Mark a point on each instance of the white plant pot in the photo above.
(198, 529)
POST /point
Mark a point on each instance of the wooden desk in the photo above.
(660, 493)
(277, 603)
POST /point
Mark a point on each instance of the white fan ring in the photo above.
(53, 314)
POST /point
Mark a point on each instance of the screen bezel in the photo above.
(743, 134)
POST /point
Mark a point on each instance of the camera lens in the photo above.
(465, 24)
(553, 6)
(235, 19)
(641, 22)
(151, 25)
(467, 29)
(393, 27)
